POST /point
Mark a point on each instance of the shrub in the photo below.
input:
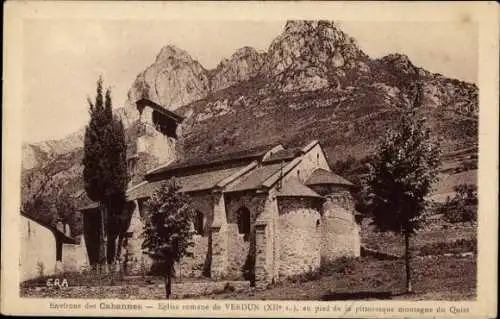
(228, 288)
(343, 265)
(310, 275)
(454, 247)
(463, 207)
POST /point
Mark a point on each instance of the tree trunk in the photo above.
(103, 242)
(407, 262)
(168, 285)
(111, 242)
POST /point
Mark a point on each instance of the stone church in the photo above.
(260, 216)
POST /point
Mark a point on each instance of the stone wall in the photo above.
(340, 233)
(336, 193)
(299, 233)
(157, 145)
(241, 248)
(194, 266)
(199, 264)
(136, 262)
(38, 250)
(204, 203)
(238, 250)
(315, 158)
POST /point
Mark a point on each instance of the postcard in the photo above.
(270, 159)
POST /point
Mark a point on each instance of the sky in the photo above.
(62, 59)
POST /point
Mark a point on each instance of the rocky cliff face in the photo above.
(243, 65)
(311, 55)
(173, 80)
(312, 83)
(38, 154)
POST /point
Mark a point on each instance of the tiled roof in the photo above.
(189, 183)
(293, 188)
(321, 176)
(284, 155)
(255, 178)
(206, 180)
(243, 157)
(161, 109)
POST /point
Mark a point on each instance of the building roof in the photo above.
(88, 206)
(189, 183)
(286, 154)
(241, 157)
(255, 178)
(59, 234)
(293, 188)
(146, 102)
(323, 177)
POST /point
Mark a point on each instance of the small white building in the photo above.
(41, 248)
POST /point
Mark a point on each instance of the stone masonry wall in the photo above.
(340, 233)
(299, 236)
(312, 160)
(239, 247)
(218, 233)
(338, 194)
(238, 252)
(193, 266)
(136, 262)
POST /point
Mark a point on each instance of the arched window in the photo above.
(318, 223)
(243, 221)
(199, 223)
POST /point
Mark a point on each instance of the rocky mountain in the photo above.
(314, 82)
(243, 65)
(39, 154)
(317, 83)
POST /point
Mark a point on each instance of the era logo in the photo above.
(56, 283)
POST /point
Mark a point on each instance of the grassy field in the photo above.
(434, 278)
(434, 236)
(440, 278)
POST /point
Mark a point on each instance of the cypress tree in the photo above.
(105, 169)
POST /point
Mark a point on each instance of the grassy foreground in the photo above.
(435, 278)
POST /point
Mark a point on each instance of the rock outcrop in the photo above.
(243, 65)
(311, 55)
(173, 80)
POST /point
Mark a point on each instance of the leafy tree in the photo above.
(168, 229)
(402, 174)
(462, 207)
(47, 201)
(105, 172)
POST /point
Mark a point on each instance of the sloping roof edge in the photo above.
(322, 176)
(147, 102)
(273, 179)
(65, 239)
